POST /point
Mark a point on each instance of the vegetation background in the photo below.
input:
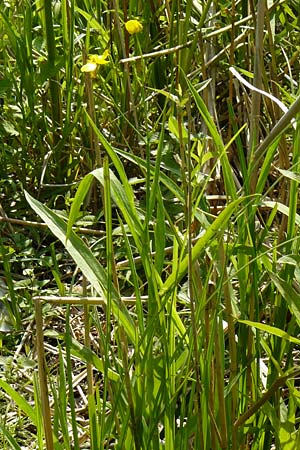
(149, 230)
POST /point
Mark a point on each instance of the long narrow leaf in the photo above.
(211, 232)
(19, 400)
(85, 259)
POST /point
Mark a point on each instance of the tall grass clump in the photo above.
(173, 129)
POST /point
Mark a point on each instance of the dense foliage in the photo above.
(149, 231)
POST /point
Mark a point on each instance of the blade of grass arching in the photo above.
(271, 330)
(75, 246)
(120, 197)
(86, 261)
(274, 134)
(115, 160)
(218, 224)
(140, 237)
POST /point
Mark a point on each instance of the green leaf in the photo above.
(86, 354)
(289, 294)
(221, 153)
(9, 128)
(271, 330)
(81, 193)
(281, 208)
(120, 197)
(202, 242)
(9, 438)
(93, 23)
(19, 400)
(287, 436)
(291, 175)
(173, 127)
(5, 85)
(86, 261)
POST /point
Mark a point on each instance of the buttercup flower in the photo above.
(94, 61)
(133, 26)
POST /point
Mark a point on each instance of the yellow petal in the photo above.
(100, 59)
(133, 26)
(89, 67)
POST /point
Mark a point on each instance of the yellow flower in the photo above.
(94, 61)
(133, 26)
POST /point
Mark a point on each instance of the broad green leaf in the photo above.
(86, 261)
